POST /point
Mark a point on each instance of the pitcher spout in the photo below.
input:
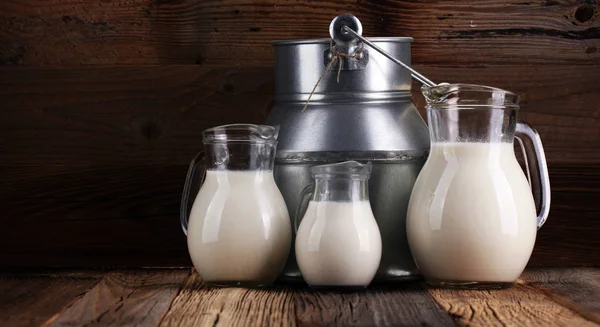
(242, 133)
(469, 95)
(349, 169)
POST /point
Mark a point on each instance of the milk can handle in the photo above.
(305, 195)
(537, 169)
(198, 160)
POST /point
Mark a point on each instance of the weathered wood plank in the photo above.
(197, 305)
(574, 202)
(542, 297)
(133, 298)
(155, 115)
(576, 288)
(32, 300)
(519, 305)
(77, 32)
(405, 305)
(116, 116)
(123, 216)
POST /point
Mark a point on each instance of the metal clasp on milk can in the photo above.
(348, 49)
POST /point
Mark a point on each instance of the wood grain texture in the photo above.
(32, 300)
(575, 288)
(406, 305)
(155, 115)
(519, 305)
(123, 216)
(198, 305)
(176, 297)
(566, 239)
(118, 116)
(85, 32)
(139, 298)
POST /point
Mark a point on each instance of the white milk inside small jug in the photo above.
(338, 243)
(239, 231)
(239, 227)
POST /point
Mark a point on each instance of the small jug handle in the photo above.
(198, 160)
(537, 168)
(305, 195)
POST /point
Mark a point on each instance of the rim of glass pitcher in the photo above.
(469, 96)
(347, 169)
(241, 133)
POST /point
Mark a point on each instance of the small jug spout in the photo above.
(351, 169)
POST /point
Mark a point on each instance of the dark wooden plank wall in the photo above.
(102, 104)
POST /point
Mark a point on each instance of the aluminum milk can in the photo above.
(366, 116)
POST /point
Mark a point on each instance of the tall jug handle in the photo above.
(305, 195)
(537, 168)
(198, 160)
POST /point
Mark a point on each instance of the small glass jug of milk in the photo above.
(239, 230)
(338, 243)
(472, 218)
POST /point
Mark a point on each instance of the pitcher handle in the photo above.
(183, 209)
(303, 205)
(537, 168)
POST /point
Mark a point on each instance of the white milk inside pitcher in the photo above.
(472, 216)
(239, 228)
(338, 244)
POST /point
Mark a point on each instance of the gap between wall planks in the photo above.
(543, 296)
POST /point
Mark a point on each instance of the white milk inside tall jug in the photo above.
(338, 244)
(239, 228)
(471, 215)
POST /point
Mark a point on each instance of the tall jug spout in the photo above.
(468, 95)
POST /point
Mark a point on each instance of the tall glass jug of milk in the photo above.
(472, 217)
(239, 230)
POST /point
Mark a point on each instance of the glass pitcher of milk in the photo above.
(472, 217)
(338, 243)
(239, 230)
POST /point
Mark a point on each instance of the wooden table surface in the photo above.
(177, 297)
